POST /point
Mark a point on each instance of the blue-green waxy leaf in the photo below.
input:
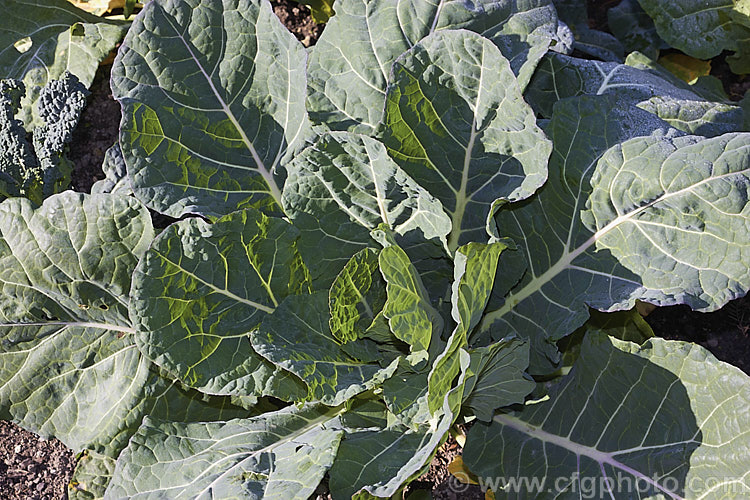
(602, 45)
(91, 476)
(350, 66)
(410, 315)
(280, 455)
(474, 275)
(456, 122)
(202, 288)
(635, 29)
(297, 337)
(640, 83)
(213, 105)
(42, 39)
(496, 378)
(656, 218)
(377, 463)
(345, 185)
(704, 28)
(69, 366)
(356, 297)
(666, 417)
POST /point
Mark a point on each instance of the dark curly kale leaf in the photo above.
(44, 171)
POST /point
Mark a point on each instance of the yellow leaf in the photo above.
(685, 67)
(459, 470)
(98, 7)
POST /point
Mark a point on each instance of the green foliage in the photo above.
(401, 250)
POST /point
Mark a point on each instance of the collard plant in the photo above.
(435, 215)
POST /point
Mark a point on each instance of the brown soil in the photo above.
(32, 468)
(296, 17)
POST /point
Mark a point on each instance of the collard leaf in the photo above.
(551, 296)
(345, 185)
(211, 109)
(474, 274)
(350, 300)
(202, 288)
(114, 168)
(69, 366)
(350, 66)
(91, 477)
(297, 337)
(684, 107)
(667, 416)
(496, 378)
(279, 455)
(659, 226)
(685, 67)
(635, 29)
(378, 463)
(704, 28)
(41, 39)
(456, 122)
(410, 315)
(593, 42)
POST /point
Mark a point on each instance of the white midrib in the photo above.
(79, 324)
(598, 456)
(568, 257)
(264, 172)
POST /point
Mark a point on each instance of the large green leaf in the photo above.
(640, 83)
(41, 39)
(410, 315)
(281, 455)
(456, 122)
(69, 366)
(350, 66)
(201, 289)
(632, 26)
(213, 105)
(496, 378)
(377, 463)
(596, 43)
(297, 337)
(659, 225)
(474, 275)
(547, 229)
(667, 418)
(704, 28)
(345, 185)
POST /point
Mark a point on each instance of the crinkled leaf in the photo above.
(91, 476)
(281, 455)
(456, 122)
(297, 337)
(667, 415)
(69, 367)
(213, 104)
(664, 222)
(350, 66)
(474, 275)
(635, 29)
(202, 288)
(704, 28)
(378, 463)
(496, 378)
(550, 299)
(596, 43)
(352, 305)
(410, 315)
(684, 107)
(345, 185)
(41, 39)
